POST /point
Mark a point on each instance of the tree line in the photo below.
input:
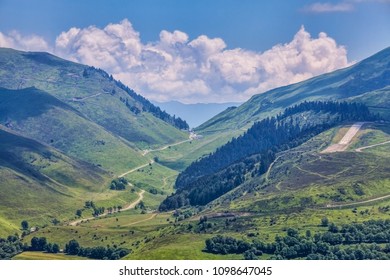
(10, 247)
(13, 245)
(151, 108)
(368, 240)
(254, 151)
(99, 252)
(147, 106)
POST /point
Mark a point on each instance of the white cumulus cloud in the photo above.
(17, 41)
(202, 69)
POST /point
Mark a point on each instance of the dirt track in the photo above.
(145, 152)
(371, 146)
(329, 206)
(128, 207)
(135, 169)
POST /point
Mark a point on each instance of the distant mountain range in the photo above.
(195, 114)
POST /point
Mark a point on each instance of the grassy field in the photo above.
(178, 247)
(45, 256)
(153, 176)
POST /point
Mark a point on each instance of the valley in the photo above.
(84, 159)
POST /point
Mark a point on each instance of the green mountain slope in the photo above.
(38, 183)
(251, 154)
(363, 82)
(93, 93)
(306, 178)
(40, 116)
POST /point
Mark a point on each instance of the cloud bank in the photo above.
(199, 70)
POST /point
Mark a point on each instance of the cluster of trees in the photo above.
(254, 151)
(13, 245)
(226, 245)
(368, 240)
(96, 210)
(113, 209)
(119, 184)
(99, 252)
(10, 247)
(41, 244)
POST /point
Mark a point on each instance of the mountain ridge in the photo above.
(92, 92)
(342, 84)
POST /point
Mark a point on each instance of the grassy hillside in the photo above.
(39, 183)
(90, 91)
(304, 177)
(42, 117)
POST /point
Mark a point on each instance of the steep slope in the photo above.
(364, 82)
(40, 116)
(38, 183)
(307, 178)
(251, 154)
(94, 93)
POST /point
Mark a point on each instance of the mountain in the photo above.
(251, 154)
(230, 165)
(367, 81)
(195, 114)
(41, 116)
(66, 131)
(40, 183)
(263, 184)
(93, 93)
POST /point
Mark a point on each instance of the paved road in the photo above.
(128, 207)
(345, 141)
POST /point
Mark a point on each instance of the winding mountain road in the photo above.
(140, 194)
(128, 207)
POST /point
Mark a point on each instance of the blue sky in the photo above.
(359, 28)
